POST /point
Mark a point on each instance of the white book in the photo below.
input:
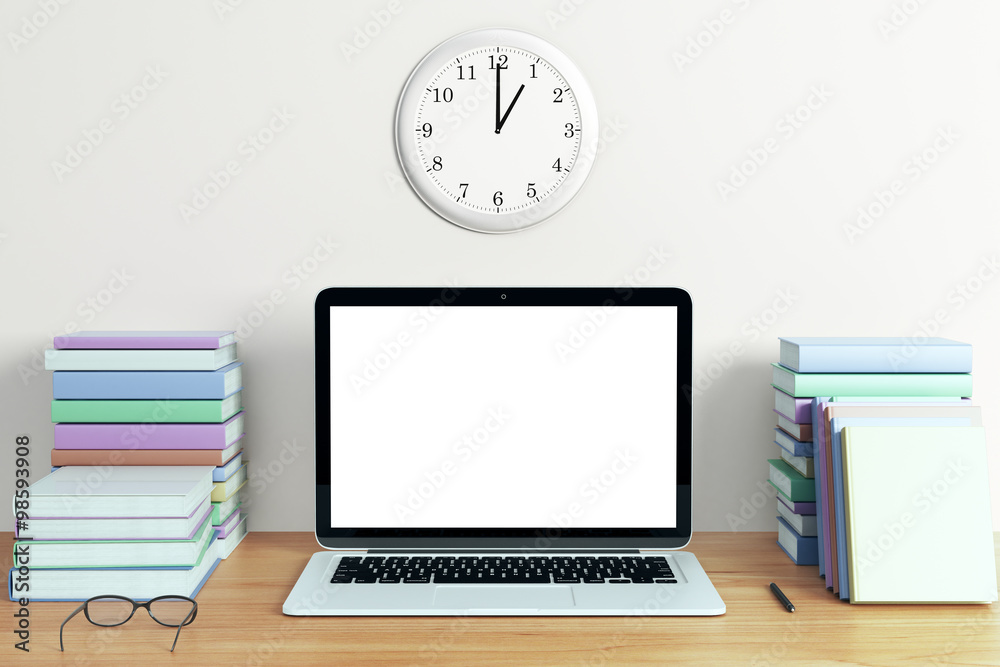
(139, 360)
(116, 529)
(228, 543)
(917, 503)
(119, 492)
(804, 464)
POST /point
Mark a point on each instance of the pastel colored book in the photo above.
(788, 480)
(149, 436)
(797, 431)
(221, 510)
(914, 497)
(879, 415)
(230, 542)
(139, 360)
(144, 340)
(826, 411)
(875, 355)
(794, 409)
(150, 385)
(222, 491)
(793, 446)
(46, 554)
(162, 411)
(804, 524)
(227, 526)
(802, 550)
(120, 491)
(797, 507)
(225, 471)
(136, 583)
(146, 457)
(123, 528)
(802, 464)
(870, 384)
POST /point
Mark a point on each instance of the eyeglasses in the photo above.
(111, 610)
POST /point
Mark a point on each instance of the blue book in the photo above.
(802, 550)
(148, 384)
(791, 445)
(820, 471)
(837, 424)
(875, 355)
(225, 471)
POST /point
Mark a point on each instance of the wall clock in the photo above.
(496, 130)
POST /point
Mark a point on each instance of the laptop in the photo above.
(503, 451)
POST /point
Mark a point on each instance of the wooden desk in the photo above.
(240, 623)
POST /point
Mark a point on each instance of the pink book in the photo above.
(149, 435)
(144, 340)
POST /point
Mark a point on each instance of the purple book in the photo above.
(798, 507)
(229, 524)
(798, 410)
(144, 340)
(149, 435)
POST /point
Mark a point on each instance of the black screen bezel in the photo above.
(515, 539)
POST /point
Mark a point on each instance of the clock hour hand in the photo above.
(507, 113)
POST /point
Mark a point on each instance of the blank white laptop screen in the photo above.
(477, 416)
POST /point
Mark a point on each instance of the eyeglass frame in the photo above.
(135, 605)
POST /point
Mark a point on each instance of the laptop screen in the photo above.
(486, 415)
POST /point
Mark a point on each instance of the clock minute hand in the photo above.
(498, 123)
(512, 103)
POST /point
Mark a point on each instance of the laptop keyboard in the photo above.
(504, 570)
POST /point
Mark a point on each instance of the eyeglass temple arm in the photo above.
(77, 611)
(193, 609)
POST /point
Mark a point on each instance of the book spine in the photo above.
(149, 385)
(902, 384)
(136, 411)
(138, 360)
(139, 436)
(137, 342)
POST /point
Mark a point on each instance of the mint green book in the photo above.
(790, 482)
(221, 511)
(804, 385)
(61, 554)
(166, 411)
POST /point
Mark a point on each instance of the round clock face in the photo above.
(496, 130)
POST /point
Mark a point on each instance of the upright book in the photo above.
(919, 527)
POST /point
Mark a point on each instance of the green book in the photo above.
(789, 481)
(166, 411)
(807, 385)
(60, 554)
(223, 510)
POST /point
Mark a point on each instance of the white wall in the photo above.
(330, 176)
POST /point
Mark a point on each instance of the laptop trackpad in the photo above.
(520, 596)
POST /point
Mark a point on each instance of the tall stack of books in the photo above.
(154, 400)
(848, 403)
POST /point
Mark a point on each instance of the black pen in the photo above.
(781, 597)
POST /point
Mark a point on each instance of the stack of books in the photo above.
(154, 398)
(136, 531)
(852, 402)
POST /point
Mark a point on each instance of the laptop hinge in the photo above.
(526, 552)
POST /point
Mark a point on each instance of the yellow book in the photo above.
(223, 491)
